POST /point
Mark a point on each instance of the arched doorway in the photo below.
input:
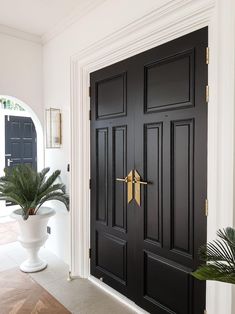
(21, 133)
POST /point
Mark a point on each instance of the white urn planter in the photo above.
(33, 234)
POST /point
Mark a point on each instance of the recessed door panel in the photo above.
(153, 141)
(28, 150)
(27, 130)
(119, 171)
(169, 296)
(102, 175)
(169, 82)
(111, 97)
(15, 130)
(111, 256)
(182, 167)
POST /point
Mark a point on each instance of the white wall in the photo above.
(21, 79)
(102, 21)
(21, 71)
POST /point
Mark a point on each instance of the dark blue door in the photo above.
(20, 141)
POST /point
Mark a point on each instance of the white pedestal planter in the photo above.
(33, 234)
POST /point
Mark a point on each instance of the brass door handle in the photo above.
(129, 180)
(137, 183)
(122, 180)
(143, 182)
(140, 182)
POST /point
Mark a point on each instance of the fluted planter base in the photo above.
(33, 235)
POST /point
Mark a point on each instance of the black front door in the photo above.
(148, 175)
(20, 141)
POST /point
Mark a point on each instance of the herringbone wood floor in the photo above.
(20, 294)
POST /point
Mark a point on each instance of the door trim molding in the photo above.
(174, 19)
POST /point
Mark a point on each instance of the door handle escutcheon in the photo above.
(129, 181)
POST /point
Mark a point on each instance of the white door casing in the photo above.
(174, 19)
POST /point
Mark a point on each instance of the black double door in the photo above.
(148, 175)
(20, 141)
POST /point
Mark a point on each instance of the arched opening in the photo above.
(21, 135)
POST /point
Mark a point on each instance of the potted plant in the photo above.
(219, 256)
(24, 186)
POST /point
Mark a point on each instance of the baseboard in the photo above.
(118, 296)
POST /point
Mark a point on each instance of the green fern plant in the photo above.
(24, 186)
(219, 256)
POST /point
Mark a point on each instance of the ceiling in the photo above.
(39, 17)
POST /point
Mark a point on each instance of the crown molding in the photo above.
(9, 31)
(151, 24)
(80, 11)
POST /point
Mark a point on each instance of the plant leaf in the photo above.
(220, 258)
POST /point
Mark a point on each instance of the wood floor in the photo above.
(20, 294)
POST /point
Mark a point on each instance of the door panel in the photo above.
(111, 97)
(182, 139)
(152, 108)
(102, 175)
(169, 82)
(153, 163)
(119, 161)
(20, 141)
(111, 256)
(159, 273)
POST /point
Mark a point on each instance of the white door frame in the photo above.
(174, 19)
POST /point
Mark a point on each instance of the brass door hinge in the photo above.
(90, 253)
(89, 91)
(205, 312)
(207, 93)
(90, 115)
(89, 183)
(206, 207)
(207, 55)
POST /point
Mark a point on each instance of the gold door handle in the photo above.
(129, 180)
(140, 182)
(137, 183)
(122, 180)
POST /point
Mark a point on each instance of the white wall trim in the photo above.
(9, 31)
(80, 11)
(172, 20)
